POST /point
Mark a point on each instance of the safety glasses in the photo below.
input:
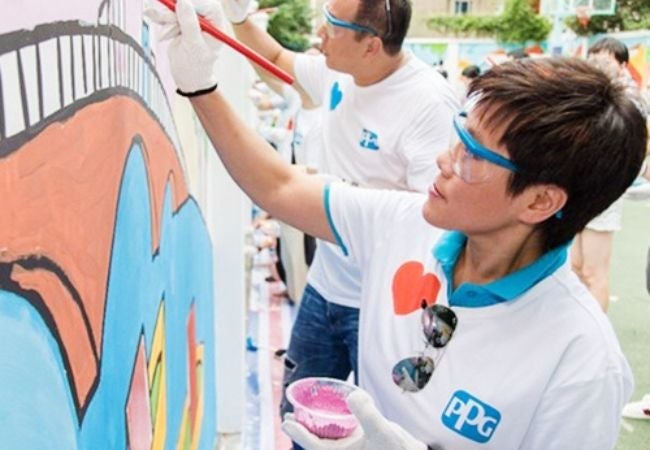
(333, 25)
(438, 325)
(471, 161)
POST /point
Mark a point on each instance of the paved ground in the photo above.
(630, 314)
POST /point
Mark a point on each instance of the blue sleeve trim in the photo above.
(326, 199)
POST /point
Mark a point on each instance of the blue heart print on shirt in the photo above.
(336, 95)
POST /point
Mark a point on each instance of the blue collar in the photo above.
(470, 295)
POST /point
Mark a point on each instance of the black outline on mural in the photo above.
(15, 40)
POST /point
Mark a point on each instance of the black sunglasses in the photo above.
(438, 325)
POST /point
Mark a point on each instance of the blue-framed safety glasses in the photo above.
(472, 160)
(332, 22)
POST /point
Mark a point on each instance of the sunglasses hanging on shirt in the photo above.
(438, 325)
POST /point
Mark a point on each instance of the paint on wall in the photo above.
(106, 296)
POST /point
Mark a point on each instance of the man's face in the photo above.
(606, 61)
(339, 44)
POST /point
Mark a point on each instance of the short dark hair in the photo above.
(583, 134)
(613, 46)
(471, 71)
(373, 14)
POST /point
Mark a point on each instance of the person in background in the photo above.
(517, 53)
(465, 288)
(592, 248)
(386, 115)
(466, 76)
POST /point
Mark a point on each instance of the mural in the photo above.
(456, 54)
(106, 296)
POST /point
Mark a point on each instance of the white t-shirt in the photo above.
(386, 135)
(541, 371)
(308, 138)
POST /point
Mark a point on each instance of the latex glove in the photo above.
(192, 53)
(237, 10)
(638, 192)
(374, 431)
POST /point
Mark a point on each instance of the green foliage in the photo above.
(465, 25)
(290, 24)
(517, 25)
(520, 24)
(630, 15)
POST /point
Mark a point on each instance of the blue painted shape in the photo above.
(181, 274)
(36, 407)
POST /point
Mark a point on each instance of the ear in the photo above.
(543, 201)
(374, 46)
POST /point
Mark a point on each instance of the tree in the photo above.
(517, 25)
(290, 24)
(630, 15)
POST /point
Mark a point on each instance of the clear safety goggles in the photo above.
(472, 161)
(334, 26)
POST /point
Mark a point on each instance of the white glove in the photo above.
(237, 10)
(192, 53)
(638, 192)
(374, 433)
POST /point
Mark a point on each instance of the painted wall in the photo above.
(456, 54)
(107, 292)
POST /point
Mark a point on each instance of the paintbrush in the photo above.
(237, 46)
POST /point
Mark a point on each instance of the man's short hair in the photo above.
(471, 71)
(373, 14)
(613, 46)
(584, 135)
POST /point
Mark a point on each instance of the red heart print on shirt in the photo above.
(411, 285)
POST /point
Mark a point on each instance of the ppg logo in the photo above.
(369, 140)
(470, 417)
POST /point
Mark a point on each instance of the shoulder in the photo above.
(425, 87)
(578, 323)
(388, 204)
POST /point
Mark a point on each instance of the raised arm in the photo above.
(286, 192)
(259, 40)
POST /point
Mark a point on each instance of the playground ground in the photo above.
(630, 313)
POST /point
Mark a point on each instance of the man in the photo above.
(482, 337)
(386, 117)
(592, 249)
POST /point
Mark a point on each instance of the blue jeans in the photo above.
(323, 342)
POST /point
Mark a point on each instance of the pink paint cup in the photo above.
(320, 405)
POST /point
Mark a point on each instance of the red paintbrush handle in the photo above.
(237, 46)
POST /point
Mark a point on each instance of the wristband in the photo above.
(199, 92)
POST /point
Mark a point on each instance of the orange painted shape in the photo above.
(59, 196)
(138, 408)
(411, 285)
(68, 324)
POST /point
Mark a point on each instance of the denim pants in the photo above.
(323, 342)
